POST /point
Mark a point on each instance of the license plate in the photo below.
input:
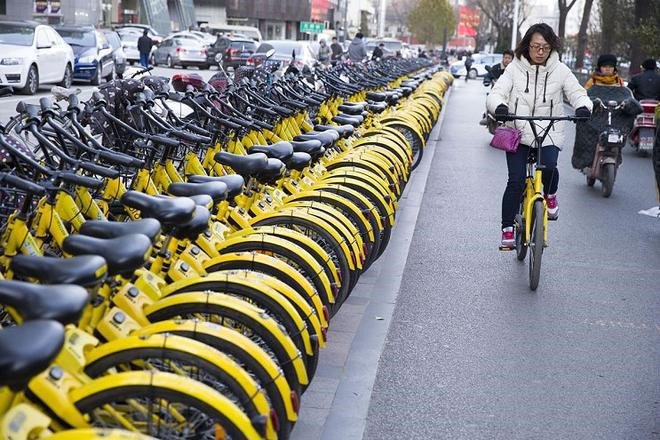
(613, 138)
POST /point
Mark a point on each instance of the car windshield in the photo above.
(243, 46)
(78, 38)
(16, 35)
(113, 39)
(282, 47)
(393, 45)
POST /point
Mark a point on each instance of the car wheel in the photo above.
(97, 75)
(169, 62)
(32, 82)
(68, 77)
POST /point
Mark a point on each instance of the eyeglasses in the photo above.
(540, 47)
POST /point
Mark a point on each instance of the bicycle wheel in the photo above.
(163, 405)
(536, 245)
(98, 434)
(181, 356)
(248, 354)
(521, 246)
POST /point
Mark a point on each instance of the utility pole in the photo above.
(381, 24)
(345, 36)
(514, 26)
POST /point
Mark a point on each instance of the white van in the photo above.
(249, 31)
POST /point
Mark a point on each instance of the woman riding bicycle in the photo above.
(533, 85)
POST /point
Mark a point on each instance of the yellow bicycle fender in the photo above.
(217, 281)
(146, 380)
(386, 191)
(398, 168)
(393, 122)
(208, 332)
(335, 214)
(24, 422)
(244, 308)
(183, 345)
(363, 159)
(281, 237)
(257, 262)
(99, 434)
(362, 186)
(332, 198)
(351, 194)
(314, 219)
(394, 145)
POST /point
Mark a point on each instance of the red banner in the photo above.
(320, 9)
(468, 21)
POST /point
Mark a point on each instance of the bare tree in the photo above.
(582, 34)
(564, 7)
(500, 15)
(398, 10)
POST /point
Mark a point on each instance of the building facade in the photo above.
(70, 12)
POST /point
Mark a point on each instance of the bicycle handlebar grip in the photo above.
(45, 103)
(22, 184)
(163, 140)
(120, 159)
(75, 179)
(99, 170)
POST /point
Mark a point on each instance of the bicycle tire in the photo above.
(242, 316)
(157, 388)
(219, 372)
(246, 353)
(536, 244)
(521, 246)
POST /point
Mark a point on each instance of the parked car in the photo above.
(479, 63)
(231, 30)
(187, 35)
(181, 52)
(233, 51)
(284, 50)
(118, 54)
(32, 54)
(139, 29)
(93, 54)
(392, 46)
(387, 53)
(209, 39)
(129, 45)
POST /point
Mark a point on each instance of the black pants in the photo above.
(517, 164)
(656, 159)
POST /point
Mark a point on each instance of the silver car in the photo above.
(129, 45)
(181, 52)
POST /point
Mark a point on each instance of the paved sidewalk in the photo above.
(336, 404)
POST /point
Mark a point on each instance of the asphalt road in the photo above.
(8, 103)
(472, 353)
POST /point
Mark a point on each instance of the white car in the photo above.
(479, 63)
(32, 54)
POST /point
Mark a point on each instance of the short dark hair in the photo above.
(508, 52)
(649, 64)
(334, 38)
(381, 45)
(146, 32)
(539, 28)
(359, 35)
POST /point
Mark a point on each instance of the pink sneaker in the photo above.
(508, 237)
(553, 206)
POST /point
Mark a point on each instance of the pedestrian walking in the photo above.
(324, 52)
(144, 46)
(357, 50)
(337, 50)
(468, 65)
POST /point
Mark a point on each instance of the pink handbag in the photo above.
(506, 138)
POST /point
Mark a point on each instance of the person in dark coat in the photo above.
(144, 46)
(337, 50)
(646, 85)
(378, 52)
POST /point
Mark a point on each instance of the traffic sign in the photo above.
(311, 27)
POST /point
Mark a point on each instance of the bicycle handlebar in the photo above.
(513, 117)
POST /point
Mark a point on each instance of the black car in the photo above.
(234, 51)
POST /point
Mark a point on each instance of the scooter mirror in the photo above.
(612, 103)
(270, 53)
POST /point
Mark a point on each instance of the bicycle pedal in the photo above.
(507, 248)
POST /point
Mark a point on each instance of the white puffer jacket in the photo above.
(533, 90)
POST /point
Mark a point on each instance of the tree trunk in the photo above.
(608, 25)
(642, 9)
(561, 30)
(582, 34)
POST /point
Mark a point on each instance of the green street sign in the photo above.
(311, 28)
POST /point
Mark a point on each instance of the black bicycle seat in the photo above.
(63, 303)
(354, 120)
(167, 210)
(234, 182)
(216, 190)
(299, 161)
(124, 255)
(83, 270)
(104, 229)
(279, 150)
(325, 137)
(351, 109)
(344, 131)
(313, 147)
(244, 165)
(195, 226)
(28, 349)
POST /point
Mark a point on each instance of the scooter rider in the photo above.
(496, 70)
(646, 85)
(606, 73)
